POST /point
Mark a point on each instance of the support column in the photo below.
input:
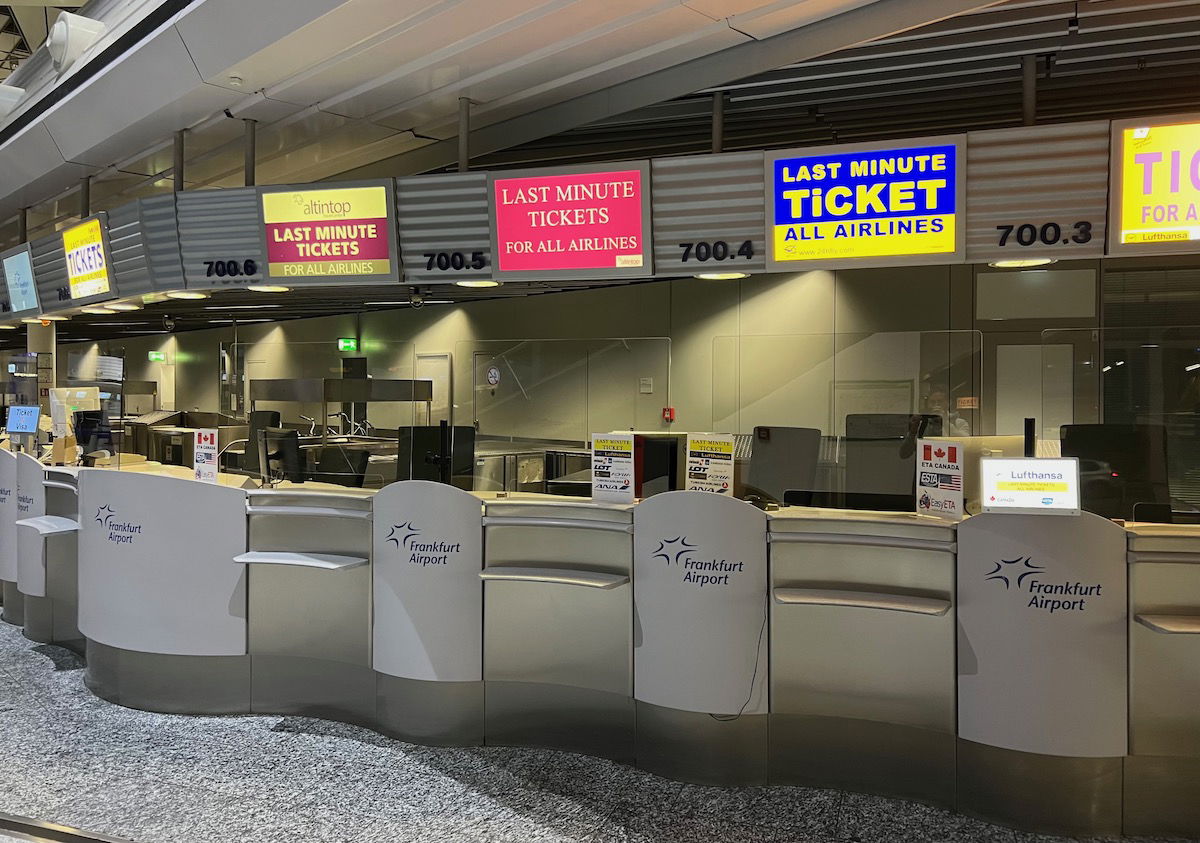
(464, 134)
(23, 225)
(718, 121)
(1028, 90)
(85, 197)
(178, 164)
(41, 339)
(251, 152)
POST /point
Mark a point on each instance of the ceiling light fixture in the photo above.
(187, 295)
(239, 306)
(268, 288)
(123, 306)
(480, 284)
(37, 320)
(721, 276)
(8, 327)
(97, 310)
(1022, 263)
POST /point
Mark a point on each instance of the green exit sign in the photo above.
(347, 344)
(157, 356)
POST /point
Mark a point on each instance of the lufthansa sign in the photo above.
(864, 204)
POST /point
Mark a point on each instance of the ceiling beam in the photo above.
(857, 26)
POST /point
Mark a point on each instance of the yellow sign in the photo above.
(1031, 486)
(866, 204)
(87, 264)
(1160, 184)
(340, 231)
(607, 445)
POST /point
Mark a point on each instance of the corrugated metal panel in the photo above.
(50, 272)
(1034, 176)
(128, 251)
(706, 199)
(160, 235)
(443, 214)
(219, 225)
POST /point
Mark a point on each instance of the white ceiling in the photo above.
(338, 85)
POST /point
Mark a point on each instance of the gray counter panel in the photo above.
(31, 549)
(156, 564)
(8, 516)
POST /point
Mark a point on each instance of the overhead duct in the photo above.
(10, 97)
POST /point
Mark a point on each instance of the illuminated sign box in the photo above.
(1155, 193)
(572, 223)
(1030, 486)
(341, 232)
(866, 204)
(88, 270)
(18, 280)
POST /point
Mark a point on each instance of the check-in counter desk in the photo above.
(862, 652)
(1162, 770)
(309, 604)
(558, 624)
(47, 545)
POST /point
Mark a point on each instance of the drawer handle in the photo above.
(560, 576)
(1171, 624)
(566, 523)
(849, 599)
(300, 559)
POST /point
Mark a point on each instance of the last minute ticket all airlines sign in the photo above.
(1160, 183)
(830, 205)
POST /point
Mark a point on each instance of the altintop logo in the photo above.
(680, 551)
(1024, 576)
(117, 532)
(407, 537)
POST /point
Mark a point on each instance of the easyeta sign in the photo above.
(1155, 191)
(846, 205)
(337, 232)
(583, 223)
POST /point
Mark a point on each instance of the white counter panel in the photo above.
(8, 516)
(1042, 661)
(156, 564)
(427, 552)
(31, 547)
(700, 604)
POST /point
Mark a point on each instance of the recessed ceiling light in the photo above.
(36, 320)
(1022, 263)
(97, 310)
(8, 327)
(722, 276)
(123, 306)
(268, 288)
(239, 306)
(187, 295)
(480, 284)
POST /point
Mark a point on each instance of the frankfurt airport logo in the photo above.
(117, 532)
(1025, 577)
(407, 537)
(402, 534)
(700, 572)
(1013, 571)
(672, 550)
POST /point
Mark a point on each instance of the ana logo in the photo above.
(1003, 572)
(680, 551)
(407, 536)
(402, 534)
(117, 532)
(671, 550)
(1021, 575)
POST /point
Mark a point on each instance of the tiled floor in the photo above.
(68, 757)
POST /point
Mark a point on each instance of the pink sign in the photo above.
(565, 222)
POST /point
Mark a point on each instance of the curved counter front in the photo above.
(984, 666)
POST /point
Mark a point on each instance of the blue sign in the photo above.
(23, 419)
(872, 203)
(18, 277)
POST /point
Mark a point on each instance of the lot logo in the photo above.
(117, 532)
(1021, 575)
(699, 572)
(407, 536)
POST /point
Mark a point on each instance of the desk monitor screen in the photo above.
(23, 419)
(18, 278)
(1030, 486)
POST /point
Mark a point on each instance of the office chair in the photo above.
(259, 420)
(342, 466)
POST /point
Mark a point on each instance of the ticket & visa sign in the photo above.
(872, 203)
(340, 231)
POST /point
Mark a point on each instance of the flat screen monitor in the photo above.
(279, 454)
(1030, 486)
(23, 419)
(18, 279)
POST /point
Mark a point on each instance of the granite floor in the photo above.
(70, 758)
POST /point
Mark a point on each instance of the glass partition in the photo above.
(832, 419)
(1126, 401)
(534, 405)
